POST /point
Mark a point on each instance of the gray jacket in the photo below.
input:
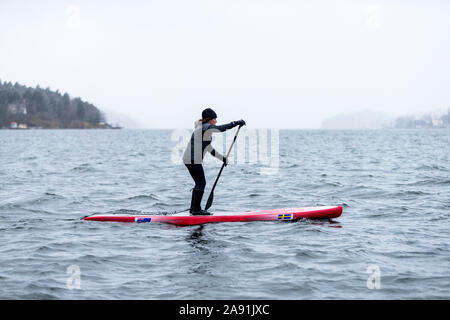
(200, 142)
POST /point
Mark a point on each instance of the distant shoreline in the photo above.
(33, 128)
(23, 108)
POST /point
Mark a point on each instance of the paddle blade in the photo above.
(210, 201)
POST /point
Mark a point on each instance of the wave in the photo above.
(409, 193)
(22, 203)
(427, 182)
(85, 167)
(431, 167)
(124, 211)
(254, 195)
(144, 196)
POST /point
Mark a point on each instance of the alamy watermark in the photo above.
(73, 21)
(74, 280)
(374, 279)
(253, 146)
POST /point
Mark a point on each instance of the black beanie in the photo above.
(209, 113)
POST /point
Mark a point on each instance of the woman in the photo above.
(193, 155)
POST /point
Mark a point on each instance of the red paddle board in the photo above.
(290, 214)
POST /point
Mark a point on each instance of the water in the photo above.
(394, 187)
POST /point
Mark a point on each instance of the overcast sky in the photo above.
(283, 64)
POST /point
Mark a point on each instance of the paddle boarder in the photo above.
(199, 144)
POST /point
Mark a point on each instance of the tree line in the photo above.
(38, 107)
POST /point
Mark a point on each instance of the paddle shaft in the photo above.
(211, 195)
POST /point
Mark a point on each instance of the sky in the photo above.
(276, 64)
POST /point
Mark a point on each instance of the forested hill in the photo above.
(42, 108)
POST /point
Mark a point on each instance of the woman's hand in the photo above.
(239, 123)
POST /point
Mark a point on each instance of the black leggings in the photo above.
(197, 173)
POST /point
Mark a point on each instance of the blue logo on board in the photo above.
(141, 220)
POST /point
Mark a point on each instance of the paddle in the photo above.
(211, 195)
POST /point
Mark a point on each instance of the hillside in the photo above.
(357, 120)
(27, 107)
